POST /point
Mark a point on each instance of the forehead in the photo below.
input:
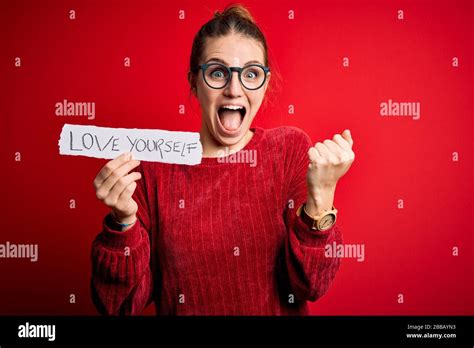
(233, 49)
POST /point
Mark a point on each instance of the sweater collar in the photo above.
(252, 144)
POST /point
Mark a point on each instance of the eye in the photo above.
(217, 73)
(251, 74)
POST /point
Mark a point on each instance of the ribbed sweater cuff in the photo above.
(113, 239)
(312, 238)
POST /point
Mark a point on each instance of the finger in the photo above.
(335, 149)
(343, 143)
(110, 166)
(121, 171)
(123, 201)
(347, 135)
(340, 155)
(114, 194)
(313, 155)
(325, 152)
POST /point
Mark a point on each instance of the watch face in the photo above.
(326, 222)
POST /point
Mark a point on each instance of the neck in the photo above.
(212, 148)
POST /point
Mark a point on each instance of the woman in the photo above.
(223, 237)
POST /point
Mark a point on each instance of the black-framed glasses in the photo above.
(217, 75)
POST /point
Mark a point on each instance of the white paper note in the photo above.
(153, 145)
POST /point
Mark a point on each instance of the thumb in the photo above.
(347, 135)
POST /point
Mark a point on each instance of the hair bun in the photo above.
(235, 11)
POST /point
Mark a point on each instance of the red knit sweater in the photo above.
(218, 238)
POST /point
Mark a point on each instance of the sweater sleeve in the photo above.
(121, 281)
(310, 272)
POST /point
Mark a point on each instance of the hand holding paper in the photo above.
(115, 187)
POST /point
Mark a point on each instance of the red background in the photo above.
(407, 251)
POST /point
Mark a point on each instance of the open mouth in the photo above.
(231, 117)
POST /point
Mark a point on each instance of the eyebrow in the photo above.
(224, 62)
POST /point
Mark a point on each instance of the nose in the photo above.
(233, 88)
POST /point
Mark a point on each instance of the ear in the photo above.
(267, 82)
(192, 83)
(193, 90)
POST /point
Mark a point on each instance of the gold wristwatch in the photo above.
(321, 222)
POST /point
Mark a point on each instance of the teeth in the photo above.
(232, 107)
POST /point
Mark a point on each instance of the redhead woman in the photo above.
(224, 237)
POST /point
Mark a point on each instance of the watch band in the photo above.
(315, 222)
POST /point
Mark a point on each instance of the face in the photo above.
(227, 127)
